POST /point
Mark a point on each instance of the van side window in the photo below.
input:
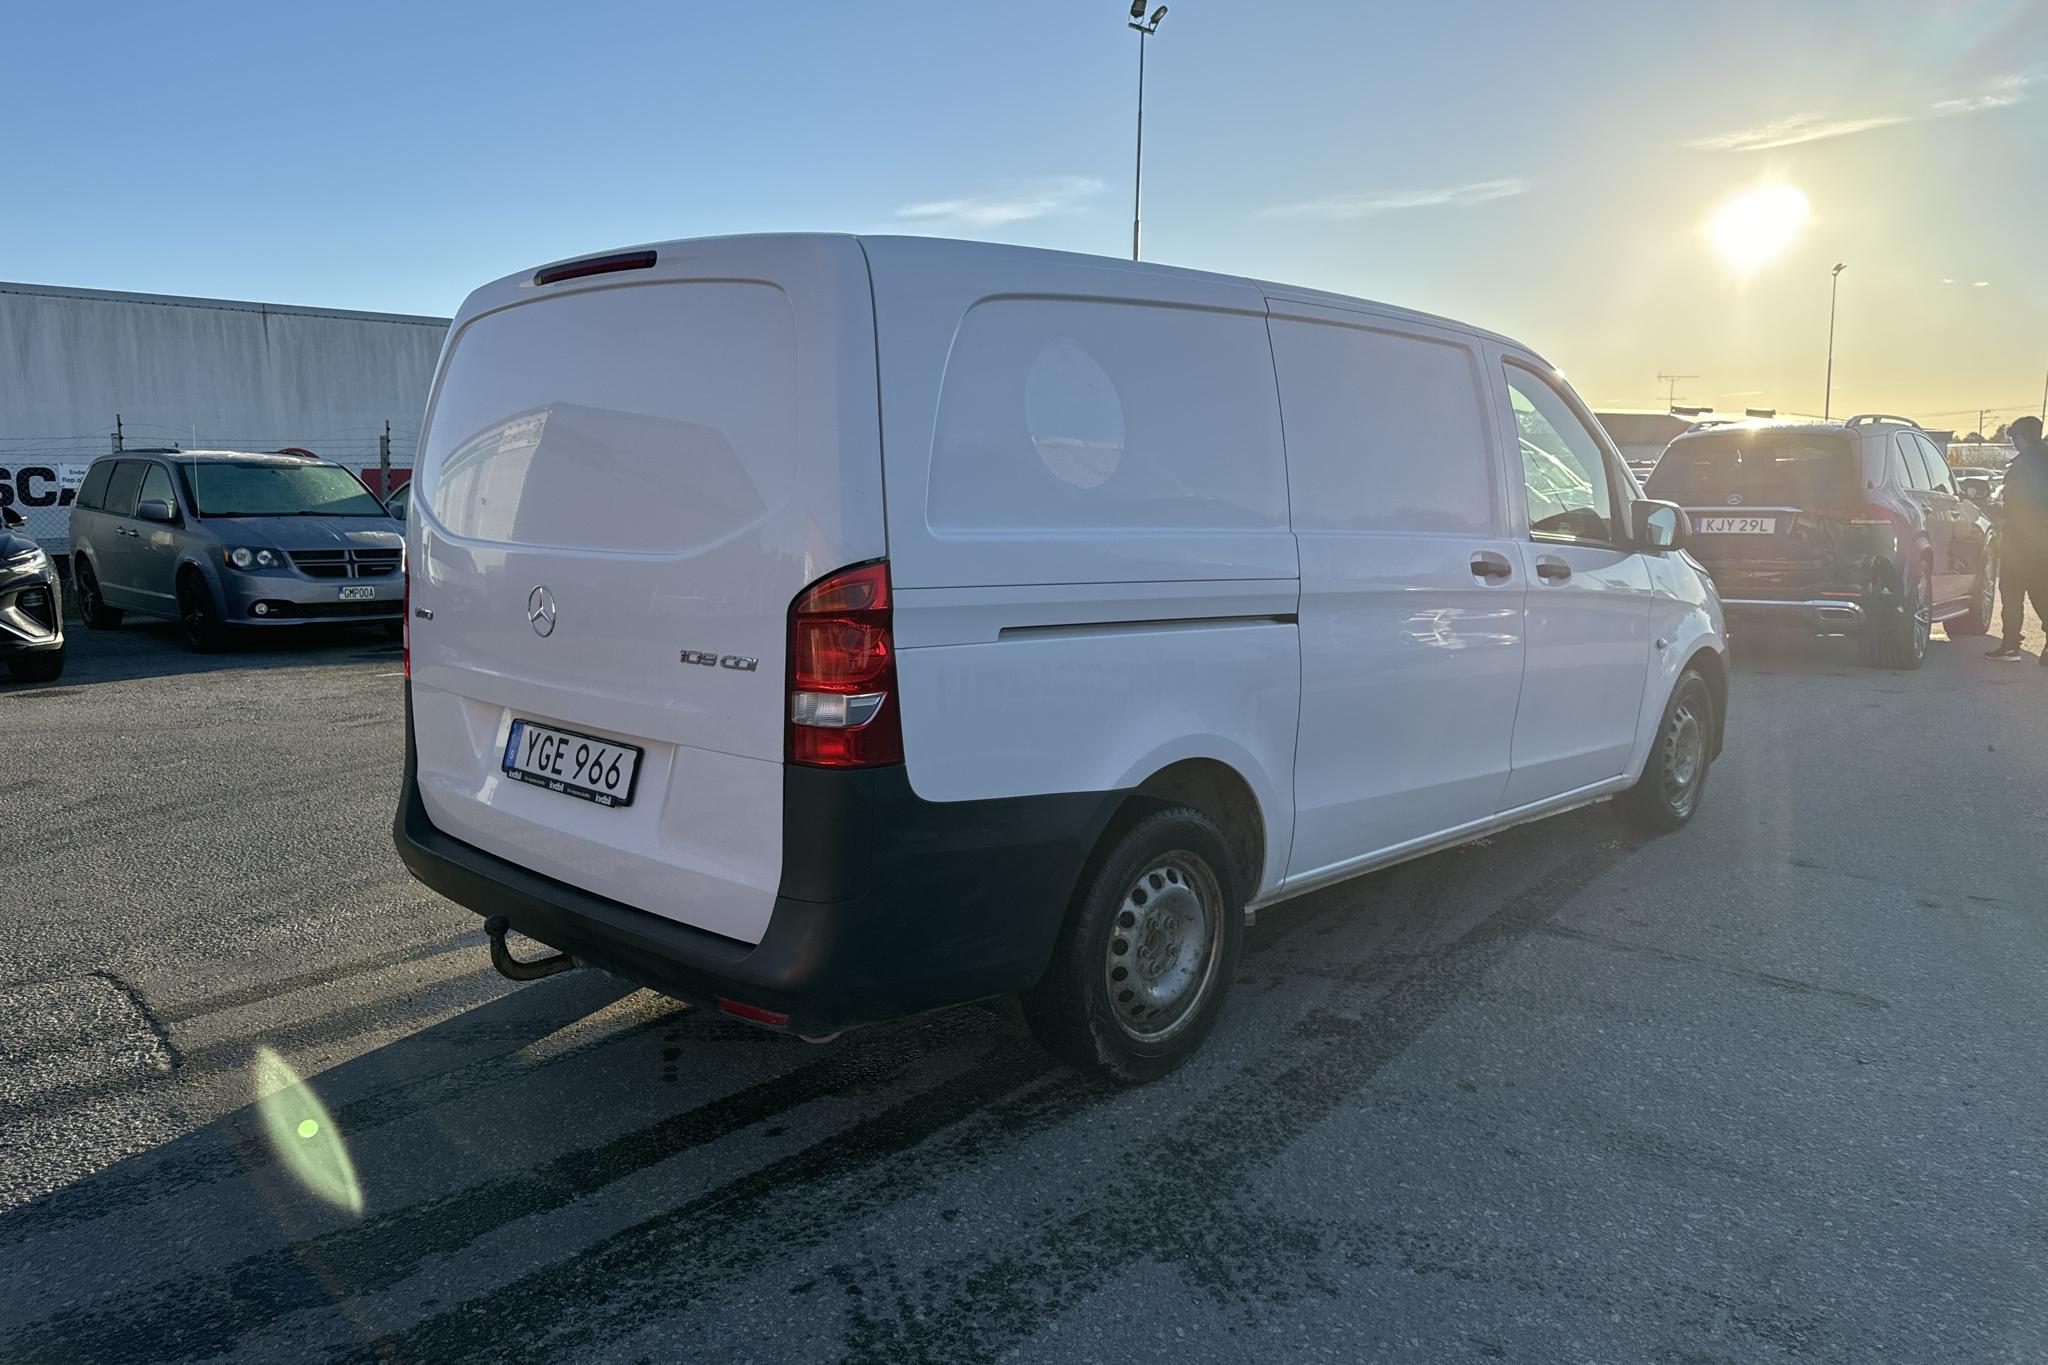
(156, 483)
(1077, 414)
(122, 488)
(1385, 430)
(1570, 494)
(93, 492)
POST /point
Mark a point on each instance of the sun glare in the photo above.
(1751, 228)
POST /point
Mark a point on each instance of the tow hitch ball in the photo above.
(501, 956)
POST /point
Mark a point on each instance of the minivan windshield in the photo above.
(1756, 468)
(221, 489)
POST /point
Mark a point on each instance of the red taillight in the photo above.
(842, 672)
(594, 265)
(405, 619)
(740, 1009)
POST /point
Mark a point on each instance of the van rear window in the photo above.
(1756, 469)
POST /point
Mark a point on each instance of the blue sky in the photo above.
(1541, 170)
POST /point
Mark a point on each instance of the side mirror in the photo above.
(156, 509)
(1658, 527)
(11, 519)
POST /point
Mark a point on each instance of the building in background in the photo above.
(1641, 435)
(195, 373)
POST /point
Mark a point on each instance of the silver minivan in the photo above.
(218, 540)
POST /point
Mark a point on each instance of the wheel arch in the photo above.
(1709, 664)
(1216, 789)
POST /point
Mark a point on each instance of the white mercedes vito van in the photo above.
(821, 629)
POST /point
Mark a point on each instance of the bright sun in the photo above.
(1751, 228)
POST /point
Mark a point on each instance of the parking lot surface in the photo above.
(1768, 1089)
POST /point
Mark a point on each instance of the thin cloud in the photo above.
(1392, 201)
(1017, 204)
(1794, 129)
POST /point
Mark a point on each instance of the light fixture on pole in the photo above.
(1828, 398)
(1146, 28)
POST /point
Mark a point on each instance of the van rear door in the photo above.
(624, 480)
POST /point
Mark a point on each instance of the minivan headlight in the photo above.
(243, 557)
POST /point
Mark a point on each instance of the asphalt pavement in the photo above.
(1768, 1089)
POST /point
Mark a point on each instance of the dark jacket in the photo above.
(2025, 526)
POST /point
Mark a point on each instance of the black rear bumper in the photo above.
(889, 904)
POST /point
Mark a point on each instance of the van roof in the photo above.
(498, 290)
(220, 456)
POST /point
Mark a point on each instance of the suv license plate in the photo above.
(358, 594)
(1736, 526)
(578, 765)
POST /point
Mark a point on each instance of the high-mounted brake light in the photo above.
(594, 265)
(842, 672)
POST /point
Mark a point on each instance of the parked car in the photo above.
(1843, 528)
(31, 605)
(222, 541)
(1978, 485)
(1100, 659)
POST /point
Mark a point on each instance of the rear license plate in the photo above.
(1736, 526)
(582, 766)
(358, 594)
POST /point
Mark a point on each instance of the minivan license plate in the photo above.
(582, 766)
(1737, 526)
(358, 594)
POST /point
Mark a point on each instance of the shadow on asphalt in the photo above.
(155, 649)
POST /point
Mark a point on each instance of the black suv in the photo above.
(1844, 528)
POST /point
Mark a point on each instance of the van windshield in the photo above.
(1757, 468)
(220, 489)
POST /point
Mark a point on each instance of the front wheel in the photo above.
(1146, 959)
(197, 616)
(1666, 795)
(45, 665)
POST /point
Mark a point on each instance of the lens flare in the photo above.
(1753, 227)
(303, 1135)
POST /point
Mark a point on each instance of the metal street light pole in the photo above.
(1828, 398)
(1146, 28)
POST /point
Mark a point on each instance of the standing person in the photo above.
(2023, 536)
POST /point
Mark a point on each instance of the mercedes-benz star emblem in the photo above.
(540, 611)
(1734, 500)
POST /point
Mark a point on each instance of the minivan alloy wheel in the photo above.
(1162, 956)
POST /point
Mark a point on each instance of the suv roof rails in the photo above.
(1867, 419)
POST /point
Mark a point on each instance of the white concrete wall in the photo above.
(195, 373)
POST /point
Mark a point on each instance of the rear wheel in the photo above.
(1142, 967)
(1983, 601)
(45, 665)
(1897, 638)
(197, 616)
(1666, 795)
(92, 606)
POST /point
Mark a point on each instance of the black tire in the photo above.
(92, 607)
(45, 665)
(1665, 797)
(1127, 935)
(197, 616)
(1983, 603)
(1897, 637)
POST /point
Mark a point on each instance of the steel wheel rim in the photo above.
(1164, 946)
(1685, 757)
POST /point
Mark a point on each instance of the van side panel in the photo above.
(1088, 529)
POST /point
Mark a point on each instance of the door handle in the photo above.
(1553, 570)
(1489, 567)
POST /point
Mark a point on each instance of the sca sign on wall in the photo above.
(40, 485)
